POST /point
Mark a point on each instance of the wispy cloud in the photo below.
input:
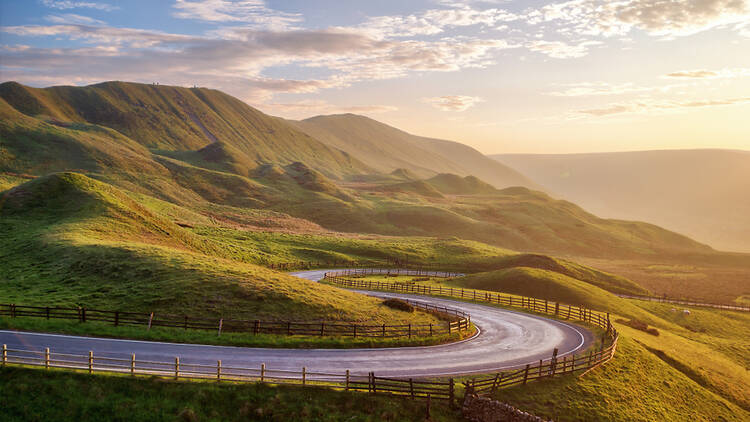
(560, 49)
(653, 105)
(656, 17)
(308, 107)
(72, 18)
(254, 13)
(67, 4)
(453, 102)
(709, 74)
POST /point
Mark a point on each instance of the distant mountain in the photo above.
(702, 193)
(386, 148)
(201, 126)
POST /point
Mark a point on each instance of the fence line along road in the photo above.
(456, 320)
(688, 302)
(414, 388)
(410, 387)
(549, 368)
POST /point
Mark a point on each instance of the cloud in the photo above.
(666, 18)
(709, 74)
(652, 106)
(560, 49)
(72, 18)
(308, 107)
(67, 4)
(250, 12)
(453, 102)
(585, 89)
(434, 21)
(234, 58)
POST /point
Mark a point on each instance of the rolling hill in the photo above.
(202, 126)
(154, 147)
(386, 148)
(702, 193)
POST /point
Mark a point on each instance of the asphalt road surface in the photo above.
(507, 339)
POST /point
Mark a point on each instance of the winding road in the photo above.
(506, 340)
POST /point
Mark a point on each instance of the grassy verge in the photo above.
(176, 335)
(39, 395)
(635, 386)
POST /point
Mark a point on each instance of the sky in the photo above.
(502, 76)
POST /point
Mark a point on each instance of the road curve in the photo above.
(507, 339)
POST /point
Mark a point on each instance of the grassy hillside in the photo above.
(386, 148)
(635, 386)
(234, 172)
(70, 240)
(701, 193)
(180, 120)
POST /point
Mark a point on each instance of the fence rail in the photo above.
(454, 320)
(688, 302)
(178, 370)
(393, 264)
(548, 368)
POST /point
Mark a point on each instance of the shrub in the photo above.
(639, 325)
(399, 304)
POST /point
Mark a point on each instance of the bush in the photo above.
(398, 304)
(639, 325)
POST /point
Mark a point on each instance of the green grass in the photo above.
(176, 335)
(635, 386)
(31, 395)
(69, 240)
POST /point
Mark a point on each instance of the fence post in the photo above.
(256, 327)
(5, 354)
(322, 328)
(91, 361)
(553, 363)
(186, 322)
(46, 358)
(409, 330)
(545, 307)
(117, 318)
(47, 309)
(526, 374)
(12, 310)
(218, 370)
(132, 364)
(411, 388)
(609, 324)
(262, 372)
(430, 329)
(355, 330)
(221, 323)
(383, 330)
(451, 393)
(304, 375)
(347, 381)
(557, 308)
(150, 320)
(289, 328)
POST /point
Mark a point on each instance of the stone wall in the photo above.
(482, 409)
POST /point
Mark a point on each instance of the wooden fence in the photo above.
(548, 368)
(455, 320)
(688, 302)
(178, 370)
(386, 263)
